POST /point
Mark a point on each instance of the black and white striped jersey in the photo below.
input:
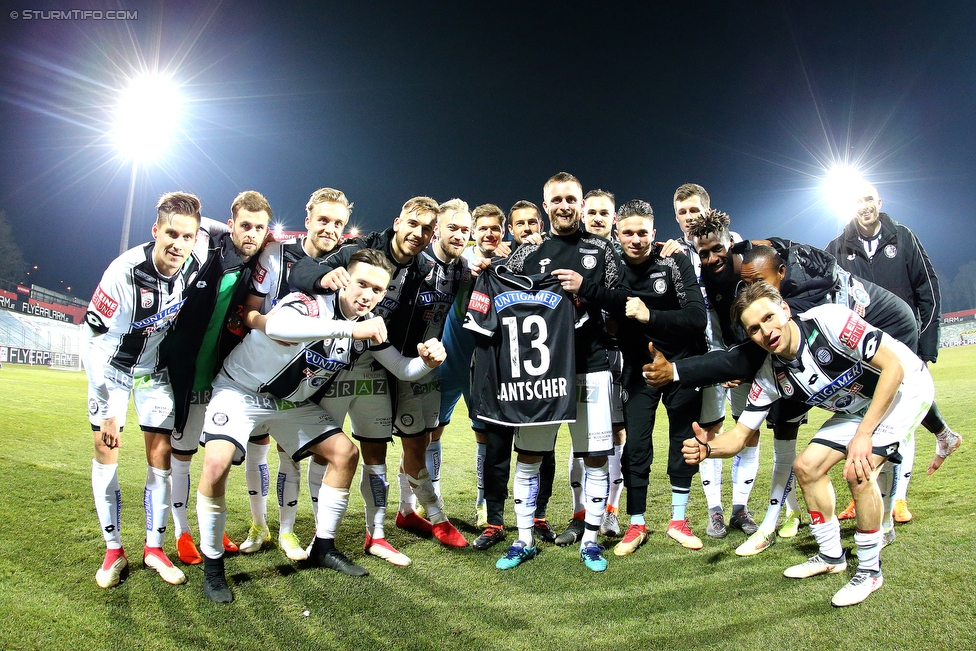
(832, 369)
(270, 278)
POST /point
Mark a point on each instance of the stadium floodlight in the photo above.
(146, 118)
(840, 185)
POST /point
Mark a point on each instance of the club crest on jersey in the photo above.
(479, 302)
(660, 286)
(146, 299)
(891, 251)
(103, 303)
(358, 346)
(508, 299)
(824, 356)
(853, 331)
(589, 261)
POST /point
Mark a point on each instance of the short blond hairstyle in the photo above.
(323, 195)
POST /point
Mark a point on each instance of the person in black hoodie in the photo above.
(209, 325)
(879, 249)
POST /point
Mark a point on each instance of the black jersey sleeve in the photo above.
(740, 362)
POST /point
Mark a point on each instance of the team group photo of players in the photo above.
(568, 312)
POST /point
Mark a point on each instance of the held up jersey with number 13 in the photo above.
(524, 369)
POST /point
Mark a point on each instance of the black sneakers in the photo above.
(544, 531)
(324, 554)
(215, 586)
(491, 535)
(572, 534)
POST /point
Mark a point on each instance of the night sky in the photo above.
(752, 100)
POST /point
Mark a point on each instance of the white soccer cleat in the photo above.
(256, 537)
(110, 573)
(292, 547)
(946, 442)
(155, 559)
(858, 589)
(815, 565)
(757, 543)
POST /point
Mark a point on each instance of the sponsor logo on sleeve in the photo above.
(853, 330)
(311, 305)
(479, 302)
(259, 273)
(755, 391)
(104, 304)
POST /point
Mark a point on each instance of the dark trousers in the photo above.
(498, 469)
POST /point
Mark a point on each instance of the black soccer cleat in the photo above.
(572, 534)
(215, 586)
(489, 537)
(544, 531)
(324, 554)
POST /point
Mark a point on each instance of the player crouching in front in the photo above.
(879, 390)
(274, 378)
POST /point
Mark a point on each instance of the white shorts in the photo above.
(713, 404)
(152, 394)
(418, 405)
(234, 412)
(898, 425)
(592, 433)
(364, 395)
(187, 441)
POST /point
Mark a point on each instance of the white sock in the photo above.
(433, 460)
(212, 518)
(333, 503)
(180, 479)
(596, 487)
(827, 536)
(616, 477)
(375, 491)
(576, 482)
(288, 486)
(108, 502)
(745, 467)
(157, 498)
(784, 454)
(525, 490)
(479, 469)
(316, 473)
(424, 491)
(408, 501)
(868, 550)
(904, 470)
(257, 479)
(711, 479)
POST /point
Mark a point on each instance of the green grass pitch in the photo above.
(660, 597)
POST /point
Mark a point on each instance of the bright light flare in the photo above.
(840, 186)
(278, 230)
(147, 117)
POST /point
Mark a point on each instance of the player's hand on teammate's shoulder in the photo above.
(432, 352)
(335, 280)
(569, 280)
(635, 309)
(670, 247)
(373, 329)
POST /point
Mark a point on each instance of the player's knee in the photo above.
(807, 469)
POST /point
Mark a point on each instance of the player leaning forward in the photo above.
(273, 378)
(879, 390)
(135, 303)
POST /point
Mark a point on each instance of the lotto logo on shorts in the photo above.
(479, 302)
(104, 304)
(853, 331)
